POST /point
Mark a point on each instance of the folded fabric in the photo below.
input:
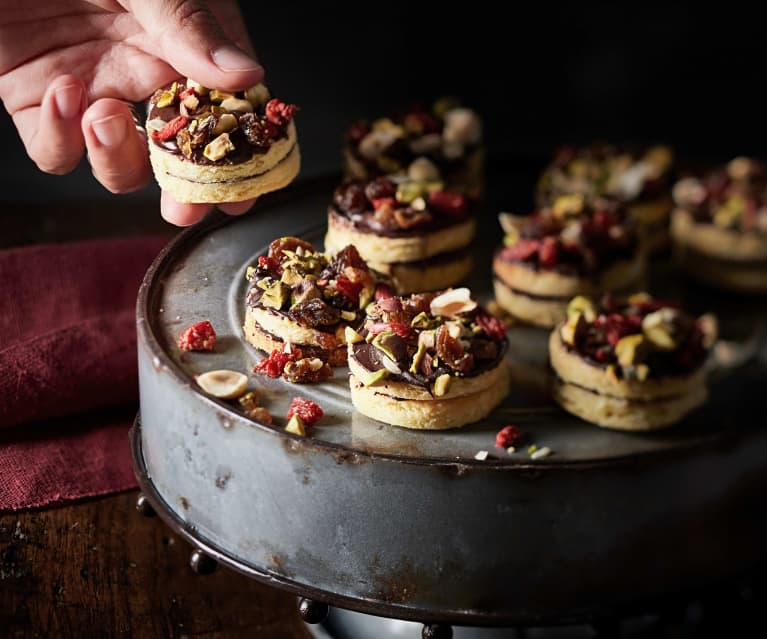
(68, 348)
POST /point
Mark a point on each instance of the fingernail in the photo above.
(69, 101)
(229, 58)
(110, 131)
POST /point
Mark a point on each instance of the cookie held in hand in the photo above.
(211, 146)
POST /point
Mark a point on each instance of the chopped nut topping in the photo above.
(258, 95)
(218, 149)
(442, 385)
(225, 123)
(224, 384)
(296, 426)
(453, 303)
(236, 104)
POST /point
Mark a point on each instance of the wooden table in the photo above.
(99, 568)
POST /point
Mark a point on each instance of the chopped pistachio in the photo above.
(264, 283)
(216, 95)
(218, 149)
(583, 305)
(658, 328)
(422, 321)
(573, 329)
(442, 385)
(388, 165)
(511, 238)
(275, 295)
(540, 453)
(366, 295)
(225, 123)
(349, 316)
(417, 358)
(567, 205)
(382, 343)
(249, 272)
(370, 378)
(434, 185)
(409, 191)
(168, 97)
(296, 426)
(351, 336)
(630, 349)
(531, 449)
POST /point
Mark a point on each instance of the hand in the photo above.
(66, 69)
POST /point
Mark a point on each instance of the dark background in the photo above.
(540, 75)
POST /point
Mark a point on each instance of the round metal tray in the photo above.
(408, 524)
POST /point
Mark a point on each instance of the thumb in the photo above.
(192, 41)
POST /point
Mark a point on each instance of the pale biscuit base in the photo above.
(572, 368)
(434, 414)
(267, 342)
(540, 297)
(626, 414)
(459, 386)
(419, 277)
(415, 247)
(722, 258)
(199, 183)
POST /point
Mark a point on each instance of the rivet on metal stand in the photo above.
(201, 563)
(437, 631)
(312, 611)
(144, 507)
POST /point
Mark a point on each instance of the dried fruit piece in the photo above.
(274, 365)
(309, 412)
(307, 370)
(223, 383)
(280, 113)
(507, 436)
(448, 203)
(198, 337)
(170, 130)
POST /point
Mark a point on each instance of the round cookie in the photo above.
(413, 231)
(428, 361)
(210, 146)
(719, 226)
(575, 247)
(301, 297)
(630, 364)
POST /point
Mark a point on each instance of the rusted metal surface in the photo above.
(408, 523)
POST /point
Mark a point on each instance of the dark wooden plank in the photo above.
(100, 569)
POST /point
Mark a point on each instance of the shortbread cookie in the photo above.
(428, 361)
(640, 178)
(413, 231)
(630, 364)
(215, 146)
(444, 143)
(303, 298)
(719, 226)
(574, 247)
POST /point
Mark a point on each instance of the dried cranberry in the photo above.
(379, 189)
(522, 251)
(309, 412)
(280, 113)
(350, 290)
(548, 255)
(492, 326)
(358, 131)
(350, 198)
(507, 436)
(616, 326)
(171, 129)
(269, 266)
(274, 365)
(448, 203)
(198, 337)
(288, 243)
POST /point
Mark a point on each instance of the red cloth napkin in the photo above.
(68, 348)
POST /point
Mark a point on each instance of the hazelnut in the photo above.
(423, 169)
(236, 104)
(258, 95)
(740, 168)
(226, 123)
(216, 95)
(462, 126)
(224, 384)
(688, 192)
(452, 303)
(442, 385)
(631, 349)
(218, 148)
(583, 305)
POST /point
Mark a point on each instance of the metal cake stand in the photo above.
(409, 525)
